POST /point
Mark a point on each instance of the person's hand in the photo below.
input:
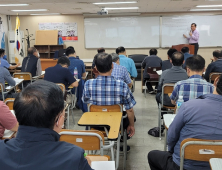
(184, 36)
(88, 160)
(18, 64)
(130, 131)
(190, 33)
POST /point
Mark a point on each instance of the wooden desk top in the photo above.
(169, 94)
(112, 119)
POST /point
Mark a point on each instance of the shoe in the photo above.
(121, 148)
(151, 92)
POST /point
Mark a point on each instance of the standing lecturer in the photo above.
(194, 37)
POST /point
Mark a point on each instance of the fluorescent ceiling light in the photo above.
(105, 3)
(205, 9)
(208, 6)
(27, 10)
(47, 14)
(122, 8)
(14, 4)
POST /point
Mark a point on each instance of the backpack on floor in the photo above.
(155, 131)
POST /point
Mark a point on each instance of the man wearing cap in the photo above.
(119, 72)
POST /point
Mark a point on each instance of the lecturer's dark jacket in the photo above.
(40, 149)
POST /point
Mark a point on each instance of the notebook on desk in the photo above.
(101, 165)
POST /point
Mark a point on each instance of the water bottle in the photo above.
(75, 73)
(179, 103)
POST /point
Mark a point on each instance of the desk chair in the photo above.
(23, 75)
(9, 102)
(154, 77)
(199, 150)
(88, 140)
(213, 76)
(2, 91)
(113, 108)
(166, 89)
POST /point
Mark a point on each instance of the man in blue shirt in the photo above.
(195, 86)
(126, 62)
(185, 51)
(119, 72)
(198, 118)
(216, 66)
(4, 63)
(40, 111)
(75, 62)
(106, 90)
(60, 73)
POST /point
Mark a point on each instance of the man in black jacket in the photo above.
(39, 109)
(32, 63)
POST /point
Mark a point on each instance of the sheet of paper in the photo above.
(101, 165)
(159, 72)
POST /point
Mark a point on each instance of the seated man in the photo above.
(32, 63)
(119, 72)
(172, 75)
(195, 86)
(152, 61)
(7, 120)
(198, 118)
(106, 90)
(166, 64)
(216, 55)
(5, 76)
(75, 63)
(186, 53)
(61, 74)
(126, 62)
(4, 63)
(215, 66)
(40, 111)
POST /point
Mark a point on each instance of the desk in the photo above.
(17, 82)
(216, 163)
(101, 165)
(168, 119)
(112, 119)
(87, 60)
(8, 134)
(37, 77)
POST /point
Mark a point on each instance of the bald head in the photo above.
(32, 50)
(177, 58)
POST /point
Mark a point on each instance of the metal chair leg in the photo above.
(159, 122)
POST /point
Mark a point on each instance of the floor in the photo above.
(146, 113)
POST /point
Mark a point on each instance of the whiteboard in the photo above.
(130, 32)
(209, 27)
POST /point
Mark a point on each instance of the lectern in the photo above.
(180, 46)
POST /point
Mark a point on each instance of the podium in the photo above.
(180, 46)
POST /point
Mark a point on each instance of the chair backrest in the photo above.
(62, 87)
(166, 89)
(138, 58)
(213, 76)
(200, 150)
(2, 91)
(9, 102)
(88, 139)
(112, 108)
(95, 72)
(23, 75)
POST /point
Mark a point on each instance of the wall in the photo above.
(31, 23)
(4, 28)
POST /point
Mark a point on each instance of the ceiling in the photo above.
(86, 6)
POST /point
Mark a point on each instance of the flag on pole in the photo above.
(17, 36)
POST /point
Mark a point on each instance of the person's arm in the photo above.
(130, 128)
(83, 70)
(144, 63)
(208, 71)
(72, 81)
(75, 84)
(160, 84)
(85, 162)
(39, 68)
(195, 36)
(7, 119)
(174, 95)
(175, 128)
(14, 66)
(133, 69)
(86, 93)
(8, 78)
(127, 78)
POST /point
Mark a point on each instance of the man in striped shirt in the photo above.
(195, 86)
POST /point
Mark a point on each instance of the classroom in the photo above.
(107, 84)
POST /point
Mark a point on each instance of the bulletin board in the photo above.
(46, 37)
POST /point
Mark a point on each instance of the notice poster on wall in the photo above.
(68, 31)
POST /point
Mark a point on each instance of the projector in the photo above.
(102, 12)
